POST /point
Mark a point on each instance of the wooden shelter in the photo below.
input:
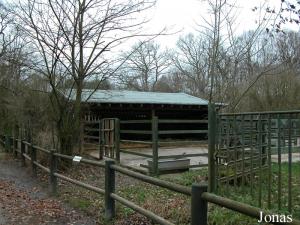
(127, 105)
(136, 105)
(120, 121)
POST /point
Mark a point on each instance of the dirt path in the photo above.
(23, 201)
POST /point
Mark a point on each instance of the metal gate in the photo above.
(258, 153)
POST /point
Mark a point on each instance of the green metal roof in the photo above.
(134, 97)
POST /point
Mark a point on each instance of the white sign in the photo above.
(77, 159)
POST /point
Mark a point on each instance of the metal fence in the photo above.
(257, 153)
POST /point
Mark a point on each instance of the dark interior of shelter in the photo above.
(96, 112)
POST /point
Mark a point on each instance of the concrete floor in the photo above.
(134, 160)
(285, 157)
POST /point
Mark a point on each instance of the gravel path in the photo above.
(23, 201)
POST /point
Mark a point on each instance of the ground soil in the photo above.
(24, 201)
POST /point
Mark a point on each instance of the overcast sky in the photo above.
(183, 16)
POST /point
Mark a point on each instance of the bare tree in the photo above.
(145, 65)
(12, 59)
(190, 60)
(226, 51)
(73, 39)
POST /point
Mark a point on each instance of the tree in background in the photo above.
(144, 65)
(12, 61)
(72, 40)
(190, 59)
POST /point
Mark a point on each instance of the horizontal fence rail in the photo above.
(198, 192)
(154, 140)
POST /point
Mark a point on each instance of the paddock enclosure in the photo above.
(156, 129)
(254, 156)
(147, 148)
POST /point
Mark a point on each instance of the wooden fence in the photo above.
(90, 134)
(198, 192)
(105, 135)
(153, 135)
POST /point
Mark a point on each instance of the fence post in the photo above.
(33, 160)
(109, 188)
(7, 142)
(32, 154)
(199, 206)
(117, 139)
(53, 169)
(212, 128)
(81, 137)
(101, 141)
(16, 146)
(11, 144)
(155, 146)
(23, 152)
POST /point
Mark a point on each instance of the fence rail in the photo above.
(198, 192)
(154, 133)
(105, 135)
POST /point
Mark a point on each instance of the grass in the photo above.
(79, 203)
(176, 207)
(219, 215)
(243, 194)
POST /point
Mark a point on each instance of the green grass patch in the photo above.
(243, 193)
(79, 203)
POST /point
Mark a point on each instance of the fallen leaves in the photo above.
(19, 206)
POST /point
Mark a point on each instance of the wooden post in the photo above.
(81, 137)
(16, 146)
(32, 154)
(109, 188)
(117, 139)
(264, 143)
(101, 141)
(13, 141)
(212, 127)
(23, 152)
(10, 144)
(199, 206)
(53, 169)
(155, 146)
(33, 160)
(33, 157)
(6, 143)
